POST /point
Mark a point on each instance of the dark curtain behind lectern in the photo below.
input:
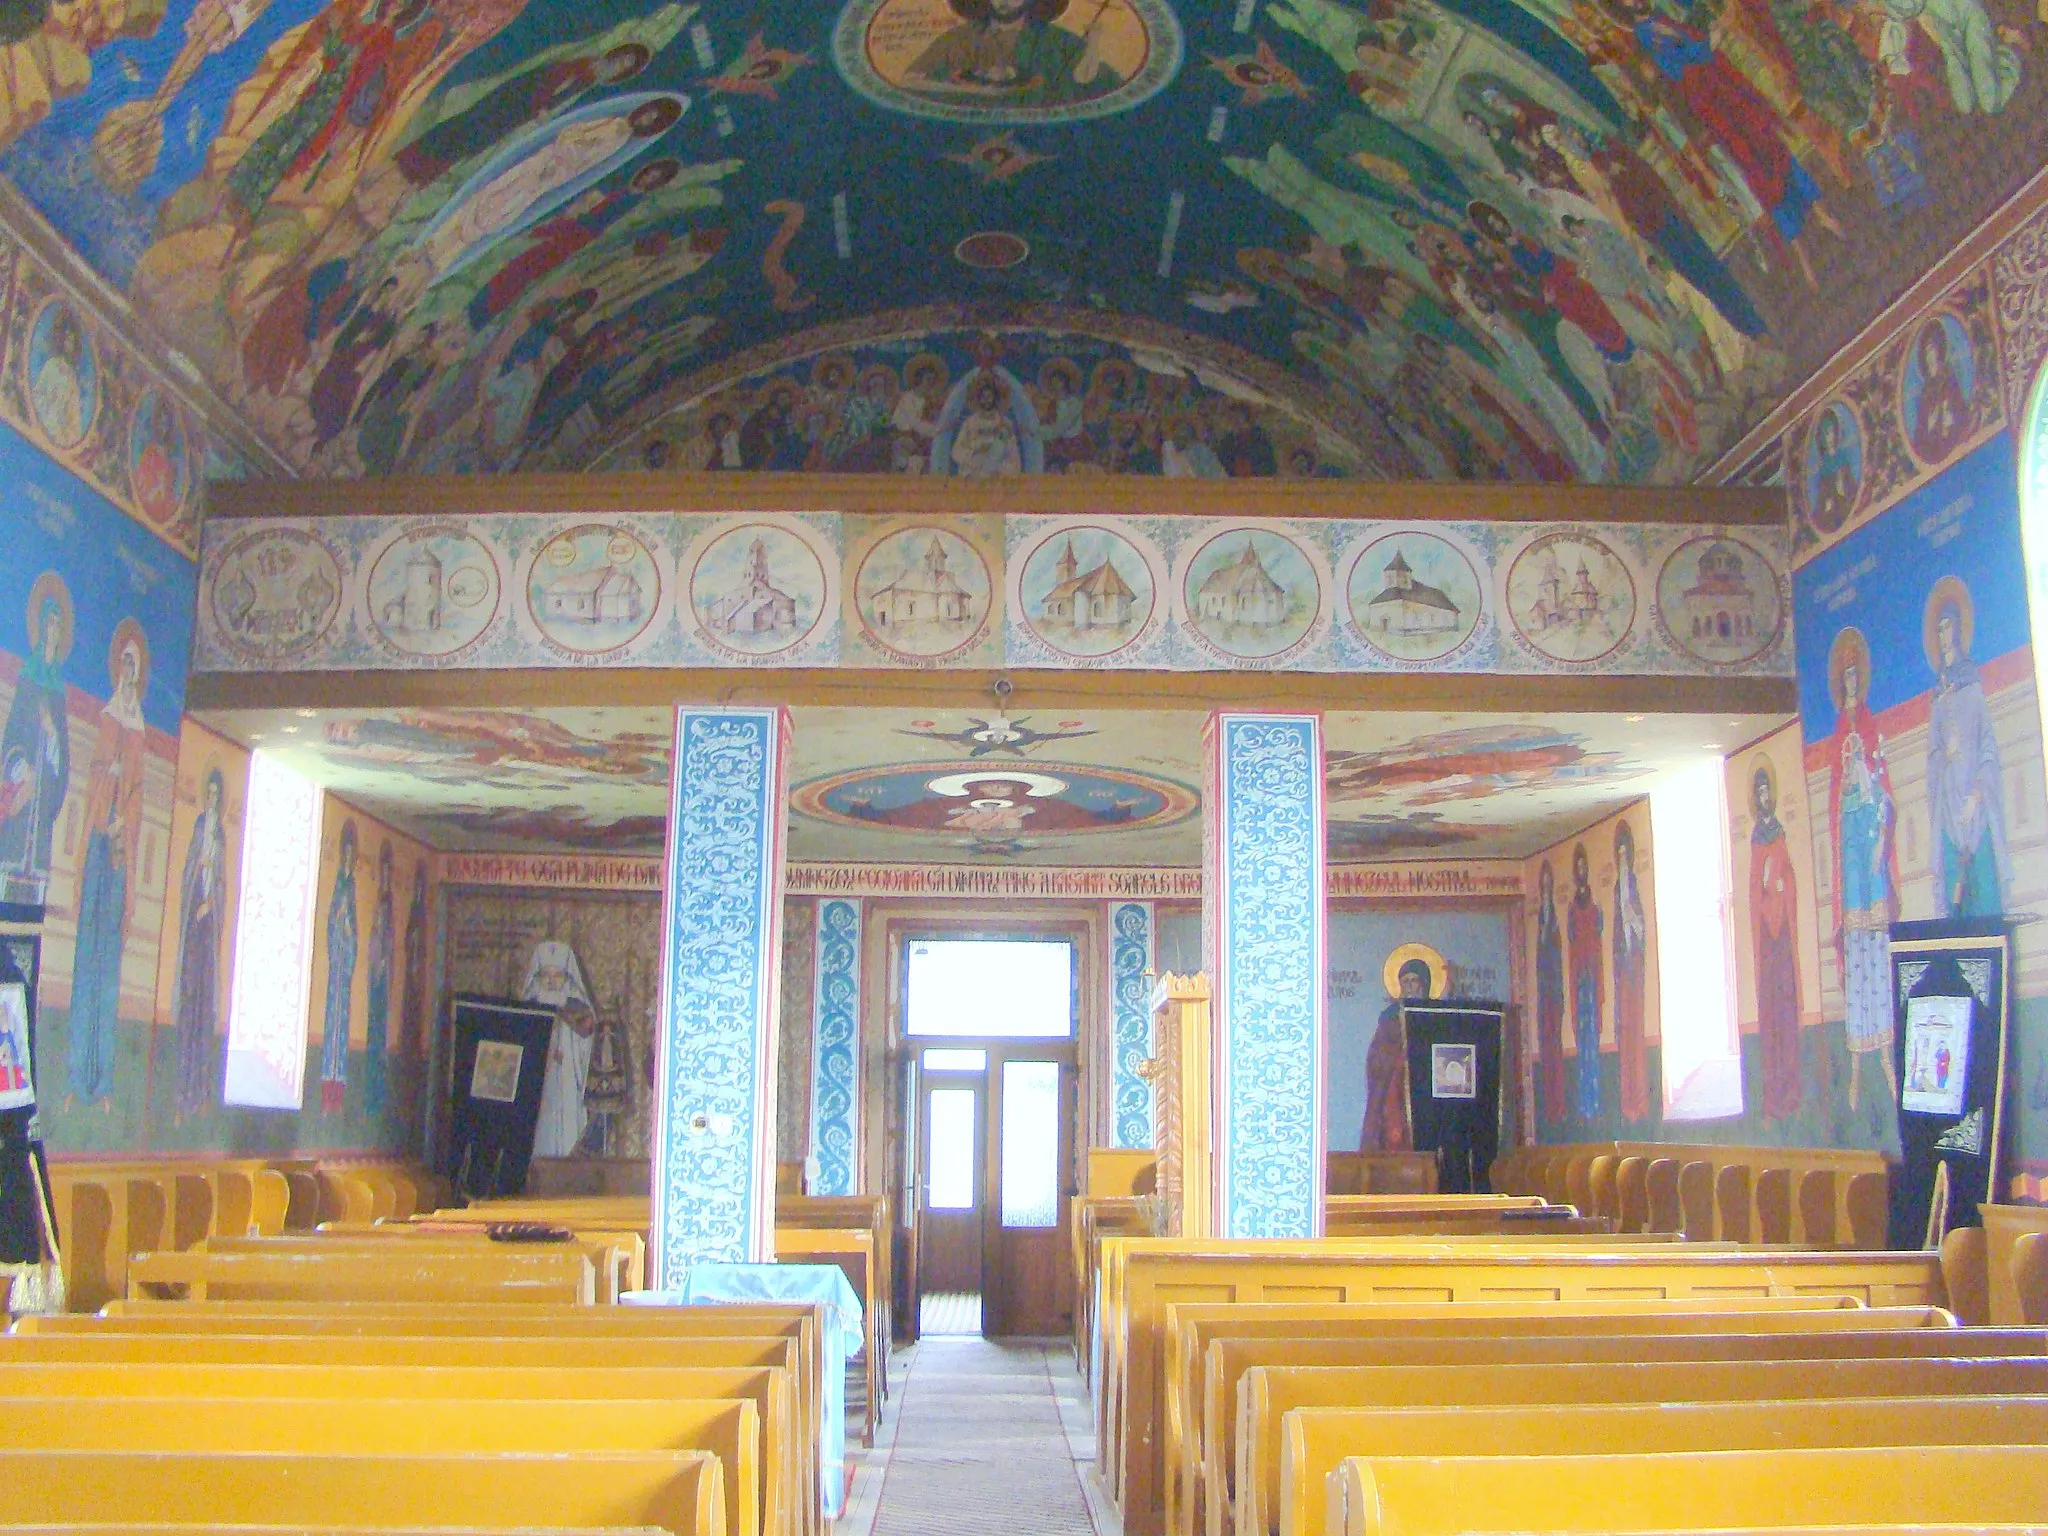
(1454, 1049)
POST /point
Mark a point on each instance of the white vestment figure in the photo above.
(553, 977)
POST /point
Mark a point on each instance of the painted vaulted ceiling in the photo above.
(1102, 788)
(1392, 238)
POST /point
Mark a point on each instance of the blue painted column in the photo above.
(721, 967)
(1263, 935)
(1130, 1012)
(835, 1051)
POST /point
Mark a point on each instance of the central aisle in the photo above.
(980, 1444)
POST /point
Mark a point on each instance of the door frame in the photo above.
(886, 1050)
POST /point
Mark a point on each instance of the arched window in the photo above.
(266, 1055)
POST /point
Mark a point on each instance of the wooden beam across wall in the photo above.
(1131, 496)
(1034, 688)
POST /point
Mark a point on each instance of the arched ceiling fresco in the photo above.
(1536, 239)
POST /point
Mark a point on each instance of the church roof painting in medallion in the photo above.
(1442, 239)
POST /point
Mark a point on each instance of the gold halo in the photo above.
(1439, 968)
(1949, 589)
(46, 586)
(126, 632)
(928, 363)
(1849, 646)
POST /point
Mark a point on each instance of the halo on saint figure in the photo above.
(1849, 649)
(129, 633)
(1439, 969)
(51, 588)
(1039, 786)
(1760, 768)
(1949, 592)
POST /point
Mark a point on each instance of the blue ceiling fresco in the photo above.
(1531, 239)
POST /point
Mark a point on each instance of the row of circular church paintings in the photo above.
(764, 589)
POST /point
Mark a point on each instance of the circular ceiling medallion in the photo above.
(432, 590)
(985, 799)
(1719, 601)
(592, 590)
(1571, 597)
(1087, 591)
(1009, 62)
(922, 593)
(991, 250)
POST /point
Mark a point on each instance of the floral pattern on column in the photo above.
(1263, 845)
(714, 1133)
(1130, 1004)
(835, 1051)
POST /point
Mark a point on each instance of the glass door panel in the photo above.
(1031, 1144)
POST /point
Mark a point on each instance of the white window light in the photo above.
(1702, 1051)
(266, 1054)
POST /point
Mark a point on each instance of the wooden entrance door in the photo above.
(952, 1120)
(1027, 1200)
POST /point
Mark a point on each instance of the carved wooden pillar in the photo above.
(1180, 1069)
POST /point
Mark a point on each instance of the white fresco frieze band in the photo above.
(1140, 593)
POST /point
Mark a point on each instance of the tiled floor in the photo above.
(982, 1435)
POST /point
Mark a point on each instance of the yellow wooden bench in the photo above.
(1229, 1360)
(679, 1491)
(790, 1492)
(1194, 1402)
(1142, 1275)
(730, 1430)
(517, 1275)
(417, 1350)
(1315, 1441)
(853, 1252)
(1270, 1393)
(1427, 1495)
(800, 1322)
(611, 1259)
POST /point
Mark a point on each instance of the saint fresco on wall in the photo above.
(1916, 704)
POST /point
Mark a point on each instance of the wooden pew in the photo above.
(618, 1259)
(799, 1323)
(728, 1429)
(1270, 1393)
(853, 1252)
(790, 1483)
(518, 1273)
(681, 1492)
(1230, 1359)
(1141, 1275)
(1315, 1441)
(1199, 1401)
(1428, 1495)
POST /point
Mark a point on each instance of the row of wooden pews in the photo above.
(853, 1233)
(1818, 1198)
(494, 1409)
(110, 1210)
(1449, 1366)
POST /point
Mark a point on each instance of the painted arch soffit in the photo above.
(1524, 239)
